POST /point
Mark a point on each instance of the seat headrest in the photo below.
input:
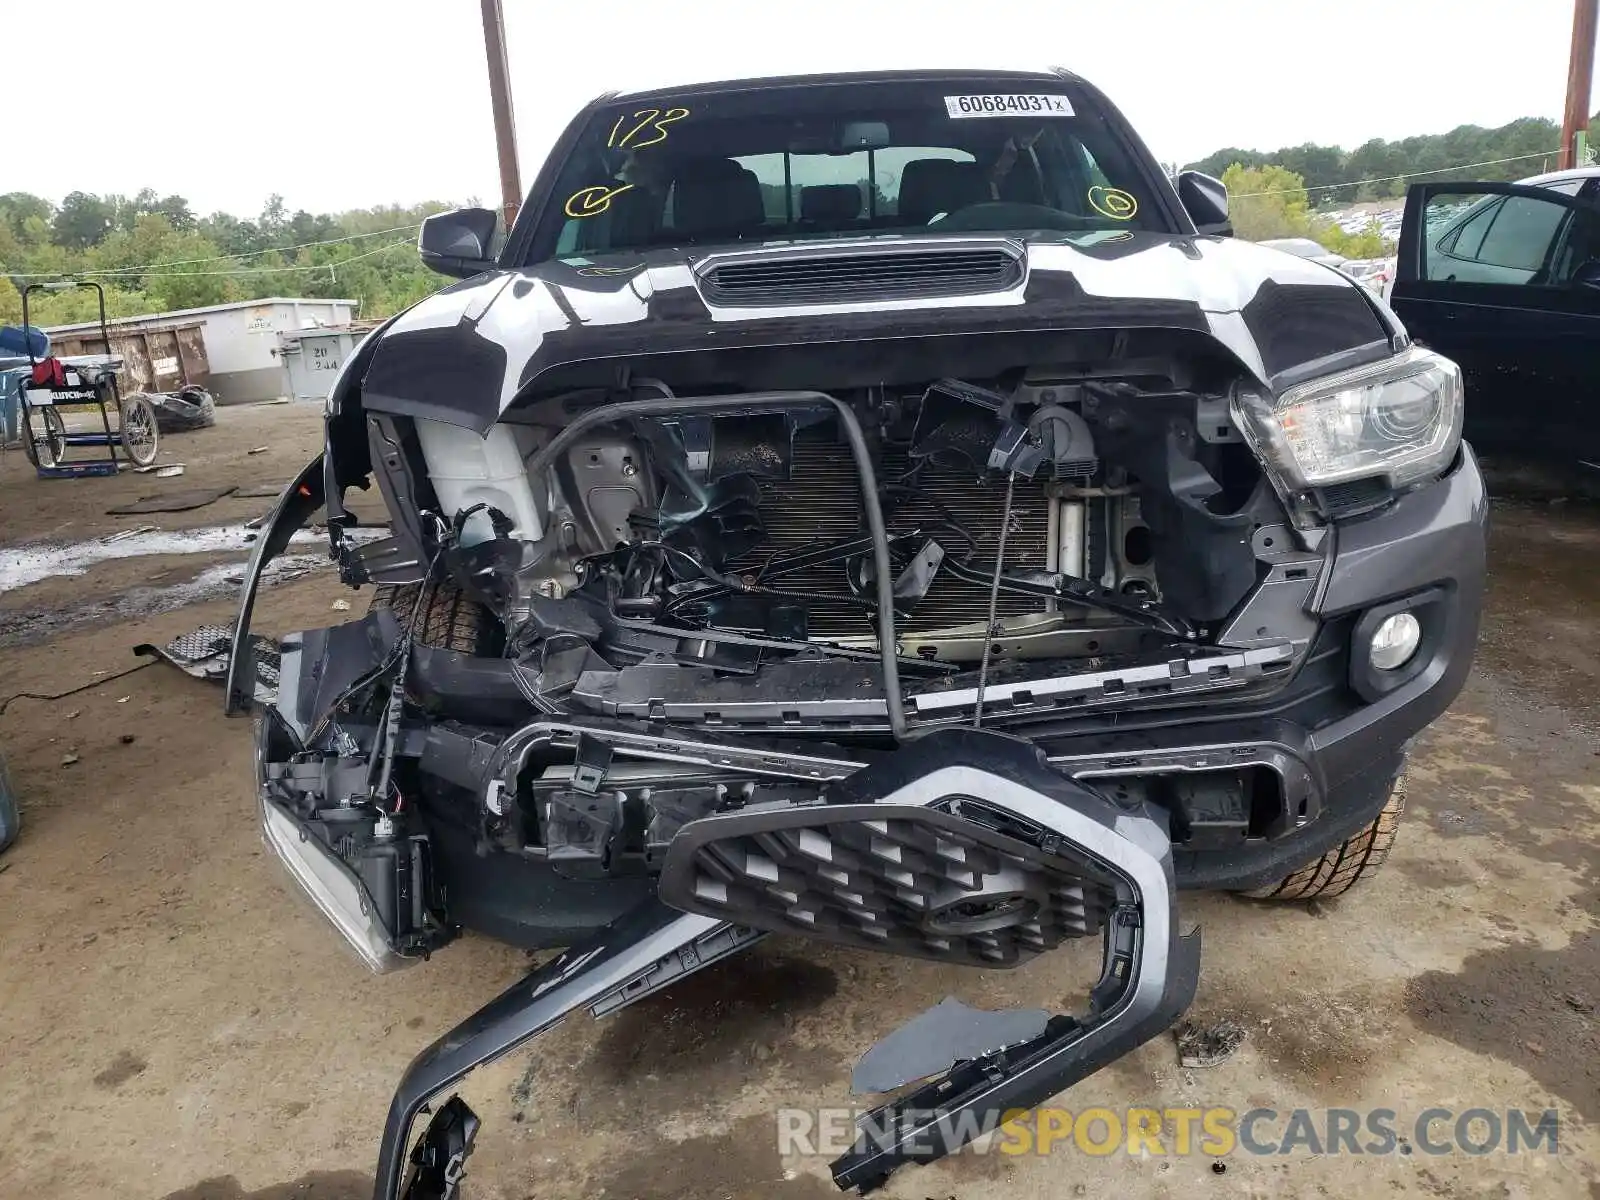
(830, 202)
(716, 196)
(929, 186)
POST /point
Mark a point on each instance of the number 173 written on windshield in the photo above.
(647, 127)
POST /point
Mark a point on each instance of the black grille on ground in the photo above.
(879, 274)
(911, 881)
(821, 503)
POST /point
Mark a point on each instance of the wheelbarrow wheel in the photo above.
(55, 437)
(140, 436)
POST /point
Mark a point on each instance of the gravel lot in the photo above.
(175, 1024)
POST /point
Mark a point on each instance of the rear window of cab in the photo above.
(842, 160)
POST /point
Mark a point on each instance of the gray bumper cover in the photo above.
(1009, 799)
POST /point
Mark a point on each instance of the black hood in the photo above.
(465, 354)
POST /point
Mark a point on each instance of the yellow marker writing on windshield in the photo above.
(591, 201)
(1114, 203)
(648, 120)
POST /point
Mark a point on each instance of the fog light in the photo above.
(1395, 641)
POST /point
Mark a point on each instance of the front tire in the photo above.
(1340, 869)
(449, 619)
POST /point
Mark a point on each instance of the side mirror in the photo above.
(457, 243)
(1588, 275)
(1205, 199)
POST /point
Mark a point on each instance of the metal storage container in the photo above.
(312, 357)
(159, 358)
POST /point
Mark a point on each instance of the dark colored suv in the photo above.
(1505, 279)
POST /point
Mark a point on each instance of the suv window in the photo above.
(844, 159)
(1508, 239)
(875, 174)
(1521, 233)
(1467, 239)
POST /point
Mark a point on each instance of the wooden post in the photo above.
(1580, 79)
(505, 130)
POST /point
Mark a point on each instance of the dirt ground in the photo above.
(175, 1024)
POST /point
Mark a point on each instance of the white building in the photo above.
(241, 339)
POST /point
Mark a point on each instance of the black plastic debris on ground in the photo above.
(937, 1038)
(189, 407)
(204, 653)
(172, 501)
(1208, 1045)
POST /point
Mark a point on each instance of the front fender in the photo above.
(303, 496)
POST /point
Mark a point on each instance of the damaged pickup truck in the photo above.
(879, 508)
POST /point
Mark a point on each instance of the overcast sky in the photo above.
(351, 103)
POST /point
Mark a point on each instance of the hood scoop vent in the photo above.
(854, 274)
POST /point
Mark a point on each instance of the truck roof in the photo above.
(1052, 75)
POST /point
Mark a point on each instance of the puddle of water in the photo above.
(22, 565)
(218, 580)
(213, 583)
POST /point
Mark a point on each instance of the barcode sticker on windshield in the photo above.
(1008, 106)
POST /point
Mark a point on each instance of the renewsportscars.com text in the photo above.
(1214, 1131)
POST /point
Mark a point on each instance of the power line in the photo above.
(185, 262)
(275, 270)
(147, 268)
(326, 266)
(1328, 187)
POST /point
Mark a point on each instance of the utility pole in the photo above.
(1580, 79)
(505, 130)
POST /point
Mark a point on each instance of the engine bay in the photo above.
(672, 587)
(1048, 515)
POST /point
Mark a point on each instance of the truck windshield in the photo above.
(788, 162)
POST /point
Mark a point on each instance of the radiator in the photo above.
(821, 502)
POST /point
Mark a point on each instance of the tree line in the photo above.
(188, 261)
(1286, 192)
(194, 261)
(1366, 173)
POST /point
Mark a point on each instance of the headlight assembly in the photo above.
(1399, 420)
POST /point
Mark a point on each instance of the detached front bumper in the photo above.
(1045, 854)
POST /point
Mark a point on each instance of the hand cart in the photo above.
(82, 381)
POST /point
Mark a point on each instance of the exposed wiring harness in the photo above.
(395, 663)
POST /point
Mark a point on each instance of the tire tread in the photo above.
(449, 619)
(1340, 869)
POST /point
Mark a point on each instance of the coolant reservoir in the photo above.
(467, 469)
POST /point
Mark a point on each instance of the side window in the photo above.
(1493, 238)
(1521, 234)
(1092, 170)
(1466, 239)
(1576, 262)
(567, 243)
